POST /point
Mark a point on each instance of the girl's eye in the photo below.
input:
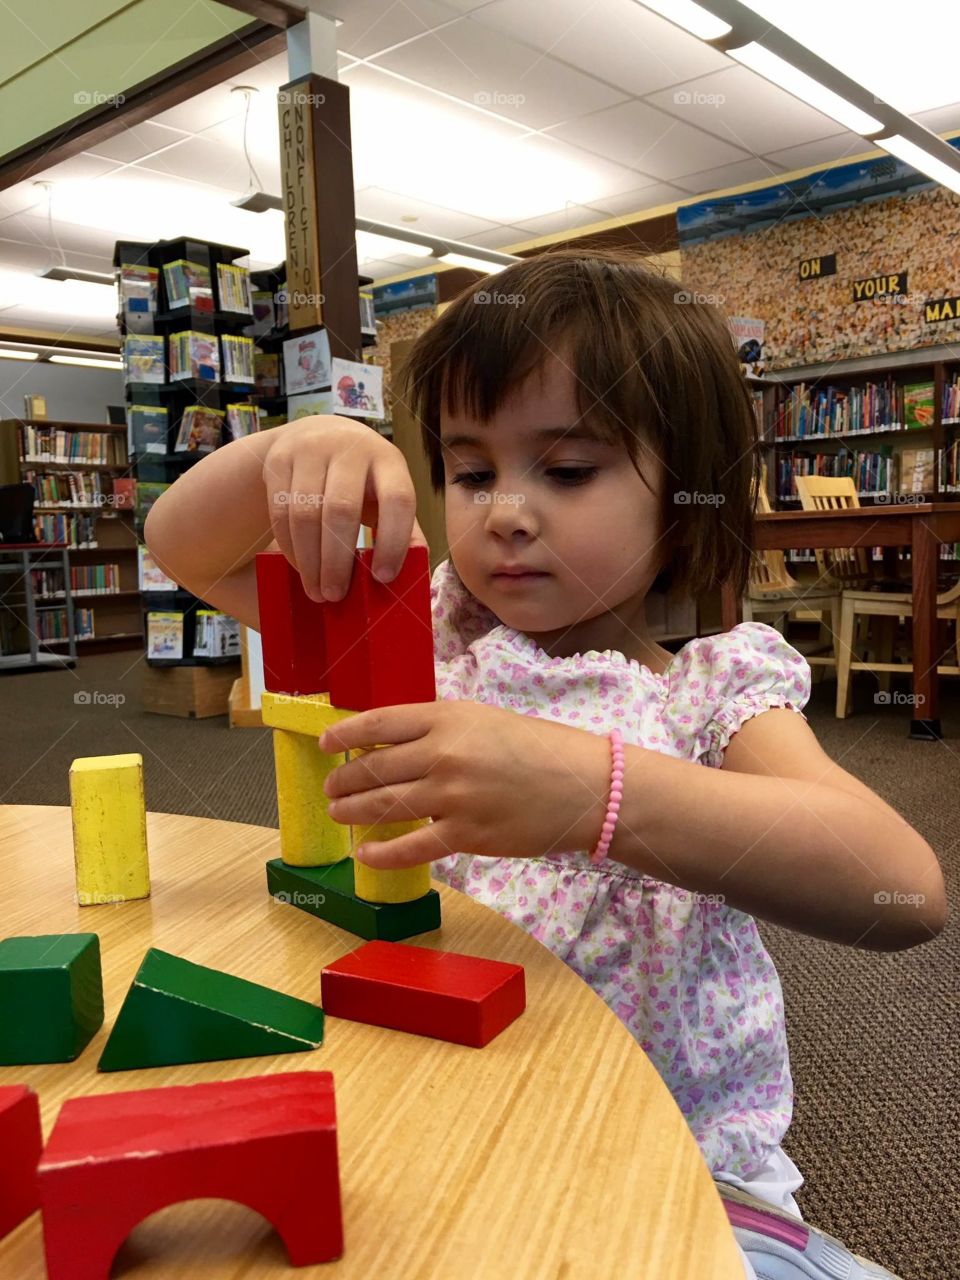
(572, 475)
(472, 478)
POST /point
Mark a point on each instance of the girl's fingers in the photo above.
(396, 515)
(303, 503)
(340, 519)
(381, 727)
(276, 480)
(382, 768)
(403, 803)
(426, 844)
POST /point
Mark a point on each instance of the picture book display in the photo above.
(200, 429)
(357, 389)
(306, 362)
(238, 359)
(147, 428)
(233, 284)
(310, 403)
(918, 405)
(143, 358)
(194, 355)
(188, 285)
(151, 576)
(138, 296)
(242, 420)
(164, 634)
(266, 372)
(216, 635)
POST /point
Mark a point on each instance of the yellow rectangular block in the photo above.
(375, 885)
(309, 837)
(109, 829)
(304, 713)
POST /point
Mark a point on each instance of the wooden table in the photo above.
(921, 527)
(556, 1151)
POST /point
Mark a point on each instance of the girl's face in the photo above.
(521, 494)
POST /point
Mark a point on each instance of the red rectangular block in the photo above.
(463, 999)
(21, 1140)
(379, 637)
(291, 629)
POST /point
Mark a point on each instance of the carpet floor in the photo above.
(874, 1037)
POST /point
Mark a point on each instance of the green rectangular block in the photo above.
(327, 892)
(51, 997)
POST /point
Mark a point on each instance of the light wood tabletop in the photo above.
(556, 1151)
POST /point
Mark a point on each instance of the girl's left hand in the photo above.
(494, 782)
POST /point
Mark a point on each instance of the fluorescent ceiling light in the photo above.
(370, 247)
(75, 273)
(257, 202)
(903, 53)
(475, 263)
(89, 361)
(71, 299)
(6, 354)
(692, 17)
(784, 74)
(916, 156)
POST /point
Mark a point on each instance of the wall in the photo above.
(74, 394)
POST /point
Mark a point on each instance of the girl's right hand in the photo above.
(324, 477)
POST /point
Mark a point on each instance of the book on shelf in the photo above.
(242, 420)
(368, 321)
(264, 313)
(143, 358)
(67, 488)
(238, 353)
(266, 373)
(137, 285)
(918, 405)
(76, 530)
(200, 429)
(915, 471)
(280, 305)
(147, 428)
(124, 497)
(147, 492)
(188, 284)
(358, 388)
(34, 406)
(85, 579)
(52, 624)
(60, 444)
(164, 633)
(951, 400)
(234, 286)
(216, 635)
(194, 355)
(151, 577)
(306, 362)
(310, 403)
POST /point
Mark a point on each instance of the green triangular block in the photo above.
(179, 1012)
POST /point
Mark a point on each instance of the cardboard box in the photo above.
(192, 692)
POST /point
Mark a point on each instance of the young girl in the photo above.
(593, 437)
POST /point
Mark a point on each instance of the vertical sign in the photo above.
(298, 177)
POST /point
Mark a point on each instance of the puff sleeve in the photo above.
(752, 669)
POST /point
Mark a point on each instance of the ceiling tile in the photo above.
(729, 175)
(370, 26)
(491, 71)
(391, 206)
(137, 141)
(941, 120)
(642, 138)
(643, 198)
(562, 220)
(618, 41)
(738, 105)
(500, 237)
(200, 160)
(841, 146)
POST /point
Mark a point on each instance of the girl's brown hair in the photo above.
(655, 367)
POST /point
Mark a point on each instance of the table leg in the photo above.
(926, 721)
(731, 607)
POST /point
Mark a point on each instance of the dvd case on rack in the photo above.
(200, 429)
(143, 358)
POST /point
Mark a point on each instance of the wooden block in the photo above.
(379, 637)
(328, 893)
(51, 997)
(453, 997)
(309, 837)
(176, 1011)
(109, 829)
(194, 693)
(307, 714)
(268, 1142)
(21, 1141)
(291, 629)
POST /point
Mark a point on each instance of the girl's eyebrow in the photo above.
(541, 433)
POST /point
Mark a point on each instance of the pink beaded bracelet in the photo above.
(616, 795)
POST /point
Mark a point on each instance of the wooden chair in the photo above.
(850, 565)
(773, 590)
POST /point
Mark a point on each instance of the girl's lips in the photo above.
(506, 579)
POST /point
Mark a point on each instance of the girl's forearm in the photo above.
(214, 519)
(800, 854)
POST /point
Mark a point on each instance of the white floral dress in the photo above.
(691, 979)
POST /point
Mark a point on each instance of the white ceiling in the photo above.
(492, 122)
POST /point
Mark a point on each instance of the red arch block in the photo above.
(268, 1142)
(20, 1142)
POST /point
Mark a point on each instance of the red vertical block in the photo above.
(379, 638)
(463, 999)
(21, 1140)
(291, 629)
